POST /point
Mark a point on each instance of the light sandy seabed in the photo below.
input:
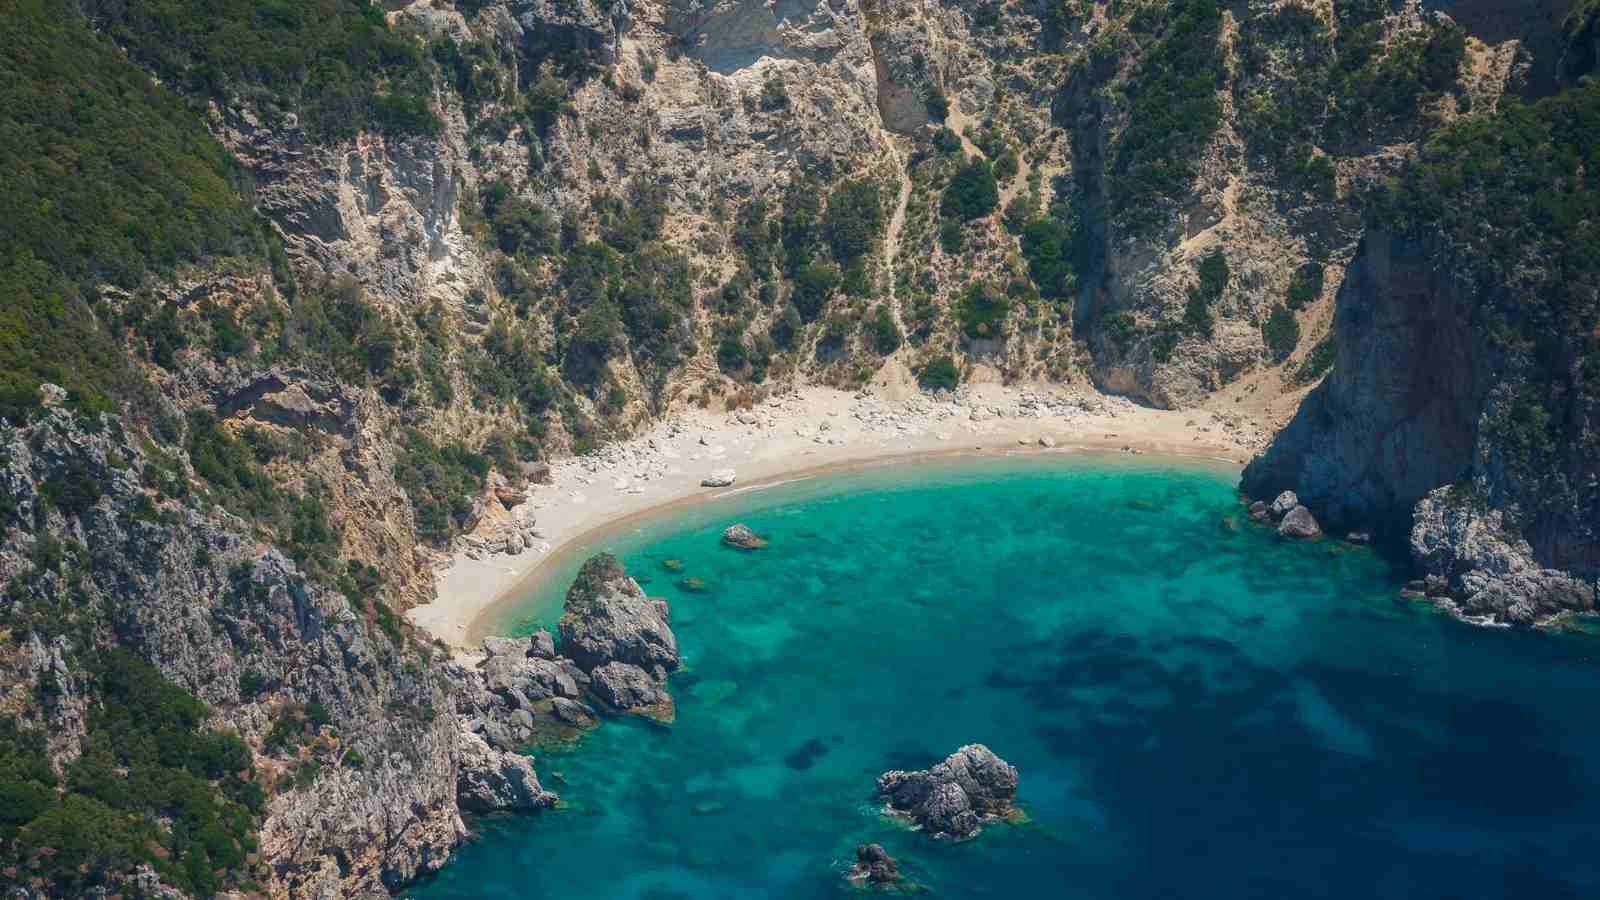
(805, 432)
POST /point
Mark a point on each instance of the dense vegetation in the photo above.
(1172, 110)
(152, 786)
(104, 177)
(335, 63)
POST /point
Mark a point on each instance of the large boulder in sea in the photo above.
(955, 797)
(874, 865)
(1299, 523)
(1284, 502)
(608, 618)
(741, 537)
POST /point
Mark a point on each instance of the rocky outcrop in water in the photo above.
(740, 537)
(955, 797)
(873, 865)
(490, 780)
(619, 638)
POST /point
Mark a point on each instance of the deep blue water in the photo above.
(1197, 709)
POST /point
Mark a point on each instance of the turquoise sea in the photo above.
(1197, 709)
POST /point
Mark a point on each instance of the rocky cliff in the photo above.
(1460, 416)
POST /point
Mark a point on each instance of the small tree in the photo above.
(1281, 332)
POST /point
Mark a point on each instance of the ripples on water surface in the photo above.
(1196, 709)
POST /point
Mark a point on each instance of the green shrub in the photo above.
(812, 286)
(1213, 271)
(152, 786)
(1280, 332)
(1197, 317)
(336, 63)
(946, 142)
(1318, 361)
(886, 335)
(1047, 245)
(971, 193)
(441, 482)
(937, 103)
(940, 373)
(982, 311)
(1305, 285)
(952, 238)
(854, 219)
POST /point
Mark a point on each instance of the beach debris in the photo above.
(873, 865)
(955, 797)
(1047, 442)
(740, 537)
(718, 478)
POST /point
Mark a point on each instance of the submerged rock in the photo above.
(741, 537)
(1299, 523)
(874, 865)
(1258, 511)
(954, 797)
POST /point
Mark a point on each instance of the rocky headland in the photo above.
(619, 639)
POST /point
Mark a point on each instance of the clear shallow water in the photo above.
(1196, 710)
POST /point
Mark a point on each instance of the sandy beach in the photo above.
(803, 432)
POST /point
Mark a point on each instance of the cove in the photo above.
(1196, 708)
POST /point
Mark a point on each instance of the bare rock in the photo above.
(609, 619)
(1299, 523)
(541, 645)
(1285, 502)
(1258, 511)
(741, 537)
(718, 478)
(954, 797)
(628, 688)
(874, 865)
(489, 780)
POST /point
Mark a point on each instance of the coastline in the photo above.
(801, 435)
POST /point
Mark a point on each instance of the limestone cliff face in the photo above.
(1460, 416)
(1399, 414)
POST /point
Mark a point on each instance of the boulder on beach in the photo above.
(718, 478)
(874, 865)
(1299, 523)
(955, 797)
(742, 538)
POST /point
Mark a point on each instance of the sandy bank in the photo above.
(808, 432)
